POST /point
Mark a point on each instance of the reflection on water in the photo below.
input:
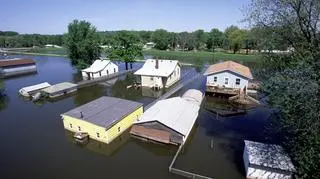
(149, 92)
(100, 147)
(4, 100)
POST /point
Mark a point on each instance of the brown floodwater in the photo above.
(35, 145)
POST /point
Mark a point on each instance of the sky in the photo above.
(53, 16)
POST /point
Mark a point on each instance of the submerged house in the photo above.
(159, 73)
(169, 121)
(229, 76)
(103, 119)
(17, 66)
(266, 161)
(100, 67)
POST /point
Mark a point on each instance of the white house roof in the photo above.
(176, 113)
(165, 68)
(97, 66)
(268, 155)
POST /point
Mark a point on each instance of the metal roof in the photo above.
(104, 111)
(176, 113)
(229, 66)
(59, 87)
(268, 155)
(166, 68)
(36, 87)
(97, 66)
(16, 62)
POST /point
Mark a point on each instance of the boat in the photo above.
(81, 136)
(28, 91)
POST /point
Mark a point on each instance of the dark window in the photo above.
(107, 72)
(98, 135)
(237, 81)
(100, 73)
(70, 125)
(226, 81)
(151, 78)
(119, 129)
(114, 70)
(79, 128)
(215, 79)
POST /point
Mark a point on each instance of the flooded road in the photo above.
(34, 143)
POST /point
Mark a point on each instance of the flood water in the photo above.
(34, 143)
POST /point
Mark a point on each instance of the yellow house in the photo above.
(103, 119)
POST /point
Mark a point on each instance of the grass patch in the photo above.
(200, 55)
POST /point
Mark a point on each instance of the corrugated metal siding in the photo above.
(19, 70)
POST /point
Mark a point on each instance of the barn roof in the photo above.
(229, 66)
(268, 155)
(166, 68)
(15, 62)
(104, 111)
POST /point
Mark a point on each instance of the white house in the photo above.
(99, 68)
(159, 73)
(228, 74)
(262, 161)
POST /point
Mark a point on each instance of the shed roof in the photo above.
(36, 87)
(15, 62)
(59, 87)
(104, 111)
(97, 66)
(166, 68)
(268, 155)
(229, 66)
(176, 113)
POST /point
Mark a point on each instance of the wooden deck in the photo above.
(221, 90)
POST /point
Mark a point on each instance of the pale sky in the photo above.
(53, 16)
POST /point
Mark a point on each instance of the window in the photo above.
(98, 135)
(70, 125)
(226, 81)
(151, 78)
(100, 73)
(215, 79)
(237, 81)
(119, 129)
(107, 72)
(79, 128)
(178, 70)
(114, 70)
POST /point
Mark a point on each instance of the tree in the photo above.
(82, 43)
(199, 38)
(1, 88)
(215, 39)
(125, 46)
(161, 38)
(237, 39)
(292, 81)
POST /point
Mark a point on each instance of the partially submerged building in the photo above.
(266, 161)
(17, 66)
(169, 121)
(60, 89)
(227, 77)
(157, 73)
(31, 90)
(99, 68)
(103, 119)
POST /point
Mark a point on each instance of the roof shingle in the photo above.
(229, 66)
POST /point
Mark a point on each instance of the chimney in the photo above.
(157, 64)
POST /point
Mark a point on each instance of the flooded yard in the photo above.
(35, 144)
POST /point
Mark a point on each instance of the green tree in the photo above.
(237, 39)
(82, 43)
(162, 39)
(199, 38)
(125, 46)
(215, 39)
(292, 81)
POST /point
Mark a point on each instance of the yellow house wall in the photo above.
(124, 124)
(92, 129)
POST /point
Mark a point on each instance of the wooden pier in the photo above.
(222, 90)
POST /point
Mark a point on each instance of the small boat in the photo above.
(81, 136)
(29, 90)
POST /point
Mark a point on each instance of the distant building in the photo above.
(17, 66)
(149, 45)
(266, 161)
(99, 68)
(103, 119)
(159, 73)
(228, 75)
(169, 121)
(52, 46)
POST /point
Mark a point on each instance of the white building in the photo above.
(228, 74)
(266, 161)
(159, 73)
(99, 68)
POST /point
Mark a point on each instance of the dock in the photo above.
(222, 90)
(60, 89)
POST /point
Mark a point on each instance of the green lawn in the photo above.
(200, 55)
